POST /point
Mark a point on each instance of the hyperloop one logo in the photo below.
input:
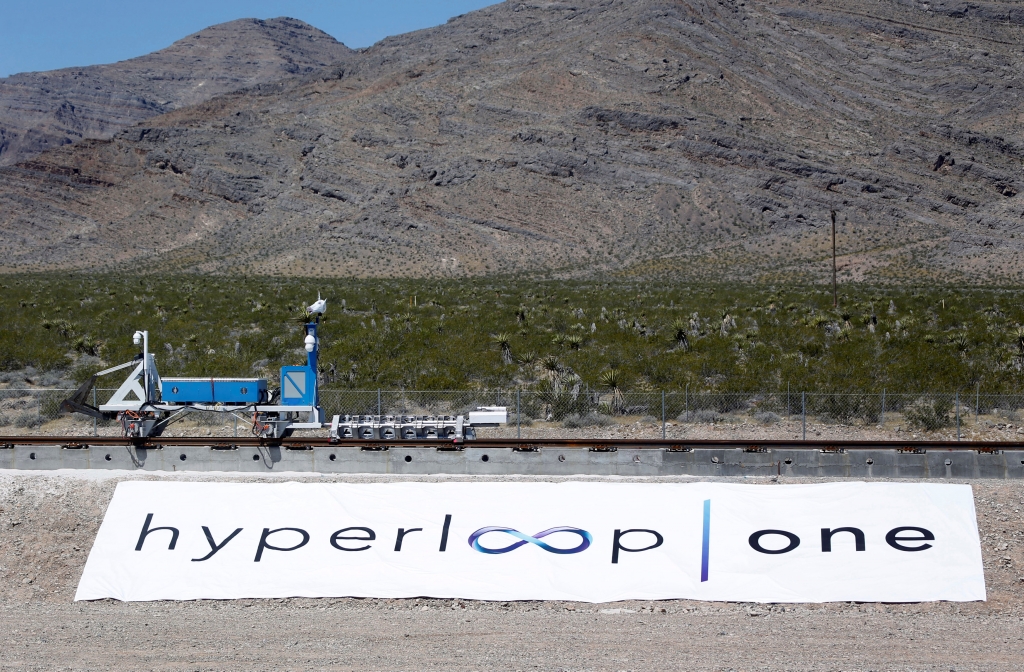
(585, 539)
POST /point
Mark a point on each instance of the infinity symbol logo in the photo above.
(585, 539)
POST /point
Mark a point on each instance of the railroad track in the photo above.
(597, 445)
(538, 457)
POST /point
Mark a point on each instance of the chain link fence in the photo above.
(34, 410)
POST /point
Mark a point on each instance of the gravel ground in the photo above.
(48, 522)
(987, 428)
(631, 428)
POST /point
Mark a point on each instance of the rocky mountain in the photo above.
(684, 138)
(43, 110)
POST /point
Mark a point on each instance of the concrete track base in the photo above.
(553, 461)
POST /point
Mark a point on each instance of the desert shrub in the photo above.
(844, 408)
(701, 416)
(28, 419)
(928, 413)
(767, 418)
(1008, 414)
(49, 403)
(52, 379)
(6, 420)
(588, 420)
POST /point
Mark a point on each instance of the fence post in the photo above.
(519, 415)
(881, 416)
(977, 403)
(958, 415)
(803, 412)
(378, 401)
(687, 402)
(235, 432)
(789, 407)
(663, 414)
(94, 406)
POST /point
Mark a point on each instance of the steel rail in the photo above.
(597, 444)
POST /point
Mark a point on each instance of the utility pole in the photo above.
(835, 292)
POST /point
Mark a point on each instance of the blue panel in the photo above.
(214, 390)
(298, 384)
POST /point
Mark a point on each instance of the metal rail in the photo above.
(531, 457)
(598, 444)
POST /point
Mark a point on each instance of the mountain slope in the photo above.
(653, 137)
(43, 110)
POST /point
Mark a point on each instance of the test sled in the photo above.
(146, 404)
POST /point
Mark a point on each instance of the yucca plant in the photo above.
(574, 341)
(612, 380)
(528, 357)
(728, 322)
(679, 333)
(504, 342)
(817, 321)
(66, 328)
(551, 365)
(960, 342)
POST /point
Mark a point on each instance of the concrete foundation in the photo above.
(553, 461)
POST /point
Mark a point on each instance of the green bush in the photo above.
(929, 413)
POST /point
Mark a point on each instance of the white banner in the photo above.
(590, 542)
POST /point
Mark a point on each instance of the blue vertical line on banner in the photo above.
(706, 545)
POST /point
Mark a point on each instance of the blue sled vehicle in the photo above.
(146, 404)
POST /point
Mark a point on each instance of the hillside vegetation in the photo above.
(504, 332)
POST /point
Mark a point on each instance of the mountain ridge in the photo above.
(44, 110)
(692, 139)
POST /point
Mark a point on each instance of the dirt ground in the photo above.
(48, 522)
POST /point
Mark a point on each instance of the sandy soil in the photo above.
(47, 524)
